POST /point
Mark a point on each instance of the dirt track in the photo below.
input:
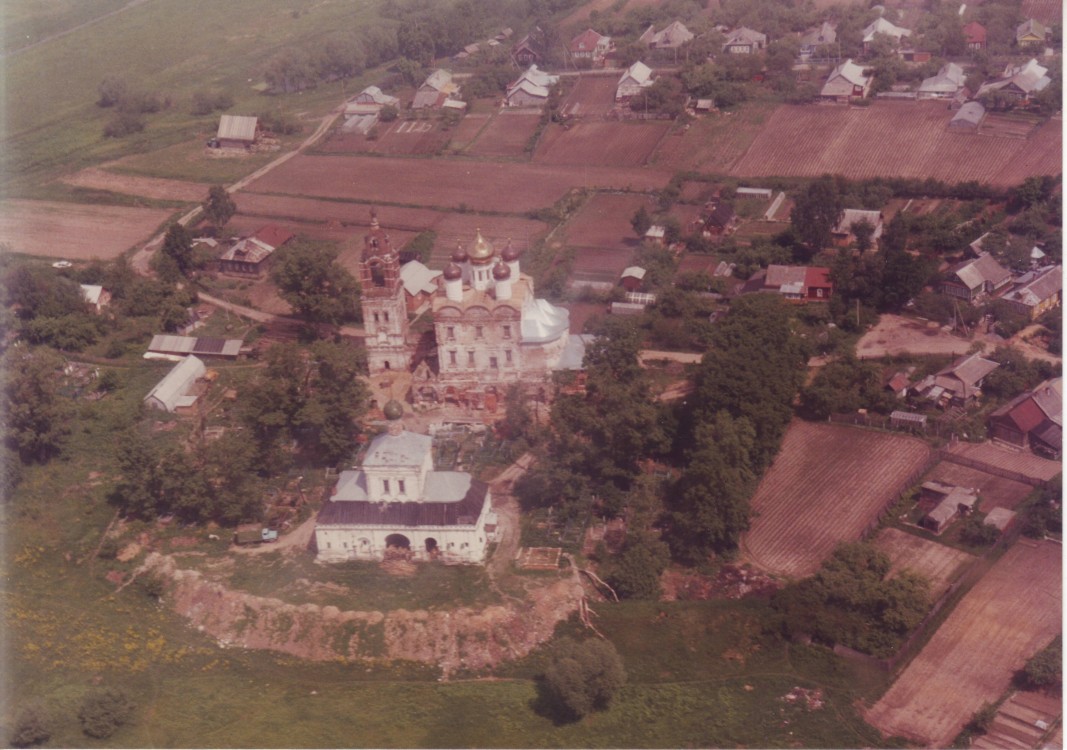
(149, 187)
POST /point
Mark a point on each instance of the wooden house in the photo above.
(846, 82)
(236, 131)
(882, 26)
(1031, 33)
(975, 278)
(975, 34)
(251, 256)
(590, 45)
(1036, 292)
(843, 233)
(527, 51)
(1033, 420)
(744, 41)
(636, 78)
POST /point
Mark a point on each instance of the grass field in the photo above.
(827, 485)
(1008, 616)
(169, 46)
(713, 143)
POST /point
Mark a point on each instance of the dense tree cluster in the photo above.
(853, 601)
(49, 308)
(1045, 668)
(310, 279)
(130, 106)
(36, 416)
(583, 676)
(742, 403)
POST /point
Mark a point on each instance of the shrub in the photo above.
(582, 677)
(1045, 669)
(124, 123)
(103, 712)
(388, 113)
(977, 533)
(30, 729)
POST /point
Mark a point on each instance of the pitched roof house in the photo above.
(974, 34)
(846, 82)
(369, 101)
(968, 117)
(636, 77)
(959, 383)
(721, 218)
(527, 51)
(882, 26)
(1041, 292)
(971, 279)
(945, 85)
(236, 131)
(744, 41)
(96, 296)
(590, 45)
(1030, 31)
(1018, 81)
(435, 90)
(1032, 420)
(530, 89)
(816, 40)
(673, 36)
(799, 283)
(252, 254)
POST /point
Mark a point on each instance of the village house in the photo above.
(950, 502)
(968, 118)
(1031, 33)
(1017, 82)
(744, 41)
(531, 89)
(1033, 420)
(899, 382)
(250, 256)
(636, 78)
(882, 26)
(974, 34)
(948, 82)
(435, 91)
(173, 392)
(818, 42)
(975, 278)
(959, 384)
(369, 101)
(96, 296)
(527, 51)
(236, 131)
(799, 283)
(1036, 292)
(632, 278)
(843, 233)
(397, 506)
(590, 45)
(720, 219)
(846, 82)
(671, 37)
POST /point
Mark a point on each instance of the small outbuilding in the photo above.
(96, 296)
(999, 518)
(173, 391)
(968, 118)
(237, 131)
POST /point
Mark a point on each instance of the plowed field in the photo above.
(592, 95)
(827, 485)
(1007, 617)
(446, 183)
(1023, 462)
(601, 143)
(149, 187)
(506, 135)
(938, 563)
(73, 230)
(902, 139)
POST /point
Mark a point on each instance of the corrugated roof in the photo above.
(970, 113)
(882, 26)
(1044, 287)
(849, 72)
(237, 128)
(168, 344)
(778, 276)
(405, 449)
(851, 216)
(743, 36)
(970, 369)
(464, 512)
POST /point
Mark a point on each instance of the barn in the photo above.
(236, 131)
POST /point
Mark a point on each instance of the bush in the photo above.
(388, 113)
(30, 729)
(103, 712)
(124, 124)
(977, 533)
(582, 677)
(1045, 669)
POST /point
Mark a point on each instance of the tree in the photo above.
(31, 728)
(103, 712)
(112, 90)
(219, 207)
(641, 221)
(863, 232)
(178, 247)
(817, 211)
(635, 573)
(290, 70)
(1045, 668)
(36, 418)
(337, 399)
(415, 43)
(978, 533)
(583, 677)
(310, 279)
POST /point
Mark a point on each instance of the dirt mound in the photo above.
(451, 639)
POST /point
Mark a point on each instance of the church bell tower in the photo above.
(385, 315)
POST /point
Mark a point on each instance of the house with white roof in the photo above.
(396, 505)
(846, 82)
(435, 91)
(1039, 292)
(173, 392)
(843, 232)
(236, 131)
(636, 78)
(945, 85)
(1017, 82)
(590, 45)
(531, 89)
(96, 296)
(369, 101)
(673, 36)
(744, 41)
(882, 26)
(817, 41)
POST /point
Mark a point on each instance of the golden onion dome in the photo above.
(482, 252)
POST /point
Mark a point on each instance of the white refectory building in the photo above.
(397, 503)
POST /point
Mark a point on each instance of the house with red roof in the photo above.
(1033, 420)
(590, 45)
(799, 283)
(975, 35)
(250, 256)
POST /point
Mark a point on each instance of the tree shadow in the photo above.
(548, 705)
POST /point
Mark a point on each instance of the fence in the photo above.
(991, 469)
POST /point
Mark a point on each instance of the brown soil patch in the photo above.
(827, 485)
(451, 639)
(506, 135)
(599, 143)
(73, 230)
(937, 563)
(896, 334)
(591, 96)
(397, 138)
(149, 187)
(1007, 617)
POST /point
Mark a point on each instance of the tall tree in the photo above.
(219, 207)
(36, 417)
(818, 209)
(178, 247)
(584, 676)
(310, 279)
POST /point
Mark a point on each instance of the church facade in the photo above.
(489, 328)
(396, 504)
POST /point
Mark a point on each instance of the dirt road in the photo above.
(507, 509)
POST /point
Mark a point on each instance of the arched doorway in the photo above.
(399, 541)
(431, 546)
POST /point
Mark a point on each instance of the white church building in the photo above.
(397, 504)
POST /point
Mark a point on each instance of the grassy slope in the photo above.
(174, 47)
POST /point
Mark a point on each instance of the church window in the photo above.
(507, 332)
(386, 316)
(377, 319)
(451, 333)
(507, 356)
(452, 357)
(470, 358)
(400, 486)
(385, 486)
(492, 363)
(377, 274)
(479, 332)
(346, 545)
(386, 364)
